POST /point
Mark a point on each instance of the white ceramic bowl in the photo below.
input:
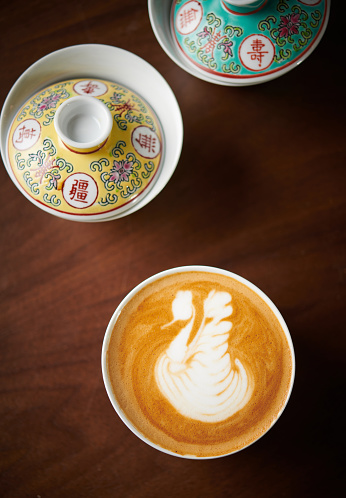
(108, 63)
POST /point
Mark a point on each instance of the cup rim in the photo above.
(89, 103)
(133, 292)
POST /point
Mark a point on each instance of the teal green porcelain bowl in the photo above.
(239, 42)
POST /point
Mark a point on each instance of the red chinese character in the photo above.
(42, 170)
(79, 190)
(25, 133)
(187, 17)
(121, 108)
(257, 52)
(215, 38)
(147, 142)
(89, 87)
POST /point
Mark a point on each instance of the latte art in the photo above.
(198, 363)
(197, 377)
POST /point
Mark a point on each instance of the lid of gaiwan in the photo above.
(85, 148)
(247, 41)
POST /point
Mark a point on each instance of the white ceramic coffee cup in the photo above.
(128, 298)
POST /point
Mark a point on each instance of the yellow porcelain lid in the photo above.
(85, 147)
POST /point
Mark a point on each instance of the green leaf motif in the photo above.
(122, 124)
(150, 123)
(23, 113)
(132, 158)
(134, 119)
(283, 55)
(281, 42)
(316, 16)
(212, 63)
(49, 147)
(142, 107)
(149, 168)
(231, 68)
(238, 31)
(109, 199)
(53, 176)
(266, 23)
(33, 186)
(282, 6)
(190, 45)
(303, 41)
(136, 184)
(63, 84)
(212, 19)
(98, 165)
(304, 16)
(109, 105)
(117, 150)
(52, 200)
(206, 60)
(63, 164)
(49, 118)
(20, 161)
(229, 30)
(109, 185)
(38, 158)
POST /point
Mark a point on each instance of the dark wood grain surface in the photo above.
(272, 158)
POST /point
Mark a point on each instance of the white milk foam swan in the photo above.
(198, 378)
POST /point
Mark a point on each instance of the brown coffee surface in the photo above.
(144, 331)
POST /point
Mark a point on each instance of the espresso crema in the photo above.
(199, 364)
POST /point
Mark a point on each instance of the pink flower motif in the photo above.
(44, 168)
(227, 47)
(121, 171)
(49, 102)
(289, 25)
(204, 34)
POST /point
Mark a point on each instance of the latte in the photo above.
(198, 362)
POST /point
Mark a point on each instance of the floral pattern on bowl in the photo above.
(254, 45)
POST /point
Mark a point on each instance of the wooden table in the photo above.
(272, 157)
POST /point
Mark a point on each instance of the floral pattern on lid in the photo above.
(89, 183)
